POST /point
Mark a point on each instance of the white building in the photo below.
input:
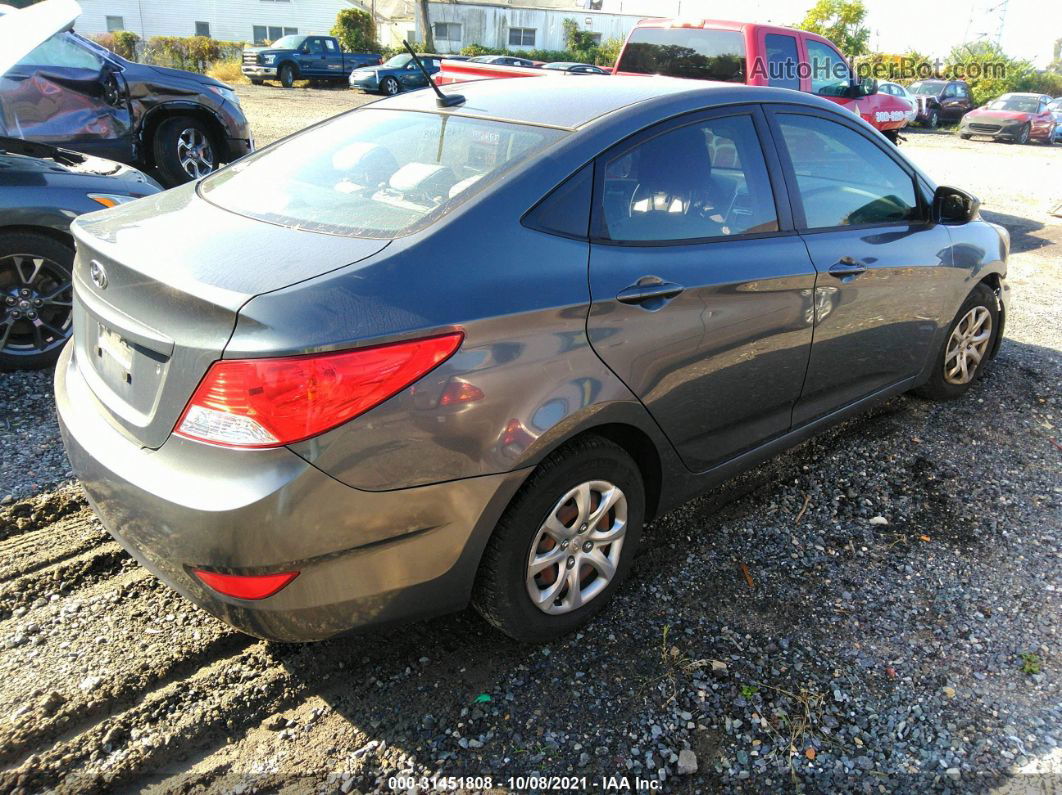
(226, 20)
(518, 26)
(507, 24)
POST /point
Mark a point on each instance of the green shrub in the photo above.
(125, 42)
(355, 31)
(608, 52)
(194, 53)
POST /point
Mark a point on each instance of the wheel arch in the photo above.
(994, 282)
(158, 115)
(58, 235)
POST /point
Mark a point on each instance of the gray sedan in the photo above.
(429, 353)
(43, 188)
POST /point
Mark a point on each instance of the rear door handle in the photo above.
(847, 267)
(647, 291)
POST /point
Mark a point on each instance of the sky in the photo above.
(928, 26)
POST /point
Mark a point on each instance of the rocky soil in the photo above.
(876, 610)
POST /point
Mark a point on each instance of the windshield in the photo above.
(1018, 104)
(926, 89)
(288, 42)
(398, 61)
(685, 52)
(374, 173)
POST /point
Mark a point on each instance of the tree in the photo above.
(355, 30)
(424, 21)
(580, 42)
(840, 21)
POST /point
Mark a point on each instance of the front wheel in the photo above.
(564, 544)
(36, 294)
(287, 75)
(1023, 134)
(933, 120)
(257, 82)
(967, 347)
(390, 86)
(184, 150)
(965, 136)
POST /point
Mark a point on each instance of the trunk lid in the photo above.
(158, 284)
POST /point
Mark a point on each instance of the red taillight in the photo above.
(273, 402)
(243, 586)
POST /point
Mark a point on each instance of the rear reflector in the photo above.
(272, 402)
(243, 586)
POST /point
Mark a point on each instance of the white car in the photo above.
(899, 91)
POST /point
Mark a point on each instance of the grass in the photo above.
(1030, 663)
(228, 71)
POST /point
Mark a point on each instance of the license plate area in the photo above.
(110, 343)
(131, 372)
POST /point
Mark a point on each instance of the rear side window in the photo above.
(566, 210)
(781, 61)
(374, 173)
(686, 52)
(843, 178)
(704, 180)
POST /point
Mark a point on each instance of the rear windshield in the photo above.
(373, 173)
(686, 52)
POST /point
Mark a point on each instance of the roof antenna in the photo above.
(441, 99)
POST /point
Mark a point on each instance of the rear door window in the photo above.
(782, 61)
(842, 177)
(701, 180)
(686, 52)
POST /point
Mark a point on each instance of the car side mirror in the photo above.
(954, 206)
(864, 87)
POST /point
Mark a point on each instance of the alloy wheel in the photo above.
(1023, 136)
(967, 346)
(35, 313)
(577, 549)
(195, 153)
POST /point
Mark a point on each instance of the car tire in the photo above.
(965, 136)
(287, 75)
(185, 150)
(532, 524)
(390, 86)
(1023, 134)
(944, 382)
(933, 120)
(34, 280)
(257, 82)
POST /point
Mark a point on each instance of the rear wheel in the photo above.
(287, 75)
(564, 544)
(390, 86)
(35, 300)
(184, 150)
(967, 347)
(965, 136)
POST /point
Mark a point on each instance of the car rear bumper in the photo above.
(363, 558)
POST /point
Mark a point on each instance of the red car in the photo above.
(733, 52)
(1015, 118)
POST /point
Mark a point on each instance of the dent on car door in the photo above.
(882, 280)
(63, 93)
(699, 304)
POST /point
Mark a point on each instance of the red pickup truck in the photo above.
(732, 52)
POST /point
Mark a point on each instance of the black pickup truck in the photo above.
(294, 58)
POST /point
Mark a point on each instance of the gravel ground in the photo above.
(876, 610)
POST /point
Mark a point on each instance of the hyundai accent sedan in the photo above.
(427, 354)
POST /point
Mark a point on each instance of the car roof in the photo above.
(569, 105)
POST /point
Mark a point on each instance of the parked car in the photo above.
(573, 68)
(42, 188)
(505, 60)
(1056, 112)
(70, 92)
(292, 58)
(398, 74)
(941, 100)
(736, 52)
(465, 353)
(899, 91)
(1014, 118)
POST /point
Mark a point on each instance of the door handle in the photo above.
(645, 291)
(846, 267)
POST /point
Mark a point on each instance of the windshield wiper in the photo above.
(19, 146)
